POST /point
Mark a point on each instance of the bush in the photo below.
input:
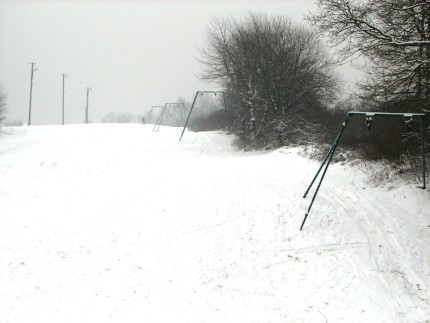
(125, 117)
(277, 74)
(3, 105)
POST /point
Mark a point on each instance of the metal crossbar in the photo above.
(163, 112)
(151, 112)
(194, 102)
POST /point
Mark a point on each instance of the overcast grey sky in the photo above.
(133, 54)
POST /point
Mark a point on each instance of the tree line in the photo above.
(392, 38)
(3, 105)
(280, 79)
(277, 74)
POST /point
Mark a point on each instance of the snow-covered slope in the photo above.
(115, 223)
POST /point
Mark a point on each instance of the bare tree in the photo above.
(275, 72)
(393, 36)
(124, 117)
(3, 105)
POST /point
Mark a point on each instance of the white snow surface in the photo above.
(116, 223)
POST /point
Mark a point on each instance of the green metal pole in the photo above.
(149, 116)
(319, 170)
(423, 151)
(326, 167)
(159, 119)
(322, 165)
(328, 154)
(189, 114)
(156, 122)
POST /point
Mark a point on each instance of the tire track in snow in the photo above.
(385, 250)
(333, 247)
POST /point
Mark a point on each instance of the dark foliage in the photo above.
(3, 105)
(277, 74)
(218, 120)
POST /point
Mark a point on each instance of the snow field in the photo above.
(115, 223)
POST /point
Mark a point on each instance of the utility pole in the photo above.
(31, 91)
(64, 76)
(86, 108)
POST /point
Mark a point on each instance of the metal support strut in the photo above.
(328, 158)
(189, 114)
(326, 162)
(194, 102)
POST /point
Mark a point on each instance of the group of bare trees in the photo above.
(278, 76)
(122, 117)
(393, 36)
(3, 110)
(280, 81)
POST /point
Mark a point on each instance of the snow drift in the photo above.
(115, 223)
